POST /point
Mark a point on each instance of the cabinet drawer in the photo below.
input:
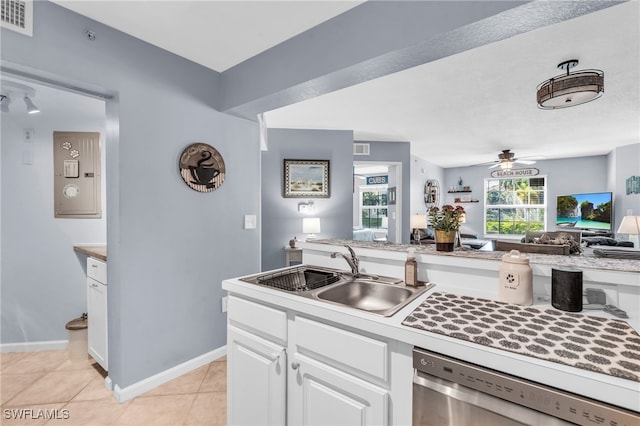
(262, 320)
(343, 348)
(97, 270)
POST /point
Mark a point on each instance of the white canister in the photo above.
(515, 279)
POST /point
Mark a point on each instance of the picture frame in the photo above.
(306, 179)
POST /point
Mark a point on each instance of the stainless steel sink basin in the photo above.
(379, 297)
(371, 293)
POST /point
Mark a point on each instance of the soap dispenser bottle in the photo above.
(411, 268)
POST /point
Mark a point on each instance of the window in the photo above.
(373, 206)
(514, 206)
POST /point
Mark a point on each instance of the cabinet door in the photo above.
(97, 325)
(324, 396)
(256, 380)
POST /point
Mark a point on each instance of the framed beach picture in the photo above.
(306, 178)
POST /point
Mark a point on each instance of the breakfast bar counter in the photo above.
(400, 332)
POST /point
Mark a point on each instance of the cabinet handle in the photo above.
(295, 365)
(93, 265)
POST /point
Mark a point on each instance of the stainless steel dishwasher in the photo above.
(447, 391)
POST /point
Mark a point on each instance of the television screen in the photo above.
(584, 211)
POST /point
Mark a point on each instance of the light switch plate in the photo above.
(250, 221)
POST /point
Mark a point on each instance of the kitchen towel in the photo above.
(592, 343)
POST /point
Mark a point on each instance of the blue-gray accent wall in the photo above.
(169, 247)
(281, 220)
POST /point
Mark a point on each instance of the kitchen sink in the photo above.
(378, 297)
(298, 279)
(376, 294)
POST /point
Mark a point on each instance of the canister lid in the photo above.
(514, 256)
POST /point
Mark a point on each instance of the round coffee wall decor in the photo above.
(202, 167)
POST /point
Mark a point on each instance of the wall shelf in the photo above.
(456, 192)
(472, 201)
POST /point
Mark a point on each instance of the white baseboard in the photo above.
(50, 345)
(136, 389)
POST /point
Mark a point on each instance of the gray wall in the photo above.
(421, 170)
(169, 247)
(43, 279)
(565, 176)
(281, 220)
(627, 164)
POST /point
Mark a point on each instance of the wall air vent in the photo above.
(17, 15)
(361, 149)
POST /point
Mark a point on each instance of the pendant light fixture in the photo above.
(570, 89)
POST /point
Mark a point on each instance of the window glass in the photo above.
(373, 207)
(515, 205)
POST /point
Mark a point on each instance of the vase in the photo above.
(445, 240)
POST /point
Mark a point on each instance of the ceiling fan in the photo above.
(506, 160)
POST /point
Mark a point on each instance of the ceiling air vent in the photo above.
(17, 15)
(360, 149)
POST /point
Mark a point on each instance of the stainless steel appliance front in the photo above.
(447, 391)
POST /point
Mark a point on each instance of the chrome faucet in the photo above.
(352, 260)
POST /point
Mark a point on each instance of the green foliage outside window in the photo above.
(374, 208)
(513, 206)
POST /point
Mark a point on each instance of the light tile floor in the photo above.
(48, 388)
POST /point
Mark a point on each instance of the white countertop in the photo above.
(617, 391)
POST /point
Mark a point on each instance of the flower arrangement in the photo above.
(447, 218)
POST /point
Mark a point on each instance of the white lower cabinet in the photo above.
(323, 395)
(257, 380)
(97, 311)
(288, 369)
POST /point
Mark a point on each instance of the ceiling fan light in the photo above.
(570, 89)
(506, 165)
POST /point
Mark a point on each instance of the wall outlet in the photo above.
(224, 303)
(28, 135)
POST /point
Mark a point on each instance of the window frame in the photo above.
(544, 206)
(371, 188)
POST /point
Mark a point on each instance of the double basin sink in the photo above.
(371, 293)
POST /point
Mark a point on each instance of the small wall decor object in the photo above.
(460, 183)
(431, 193)
(633, 185)
(202, 167)
(306, 178)
(391, 196)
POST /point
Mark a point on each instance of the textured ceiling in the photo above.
(457, 111)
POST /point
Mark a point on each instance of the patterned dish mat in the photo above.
(603, 345)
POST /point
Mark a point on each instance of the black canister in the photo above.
(566, 289)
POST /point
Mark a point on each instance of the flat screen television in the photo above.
(590, 211)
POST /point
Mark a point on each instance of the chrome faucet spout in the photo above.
(352, 260)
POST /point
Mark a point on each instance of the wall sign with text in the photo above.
(377, 180)
(515, 173)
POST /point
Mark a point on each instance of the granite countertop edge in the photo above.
(585, 260)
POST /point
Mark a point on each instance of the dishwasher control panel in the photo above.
(554, 402)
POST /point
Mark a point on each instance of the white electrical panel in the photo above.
(76, 167)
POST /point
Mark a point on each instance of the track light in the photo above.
(31, 108)
(4, 103)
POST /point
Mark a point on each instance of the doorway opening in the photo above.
(377, 210)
